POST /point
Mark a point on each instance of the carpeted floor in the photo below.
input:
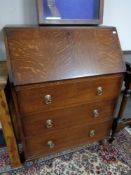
(93, 159)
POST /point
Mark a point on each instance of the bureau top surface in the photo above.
(43, 54)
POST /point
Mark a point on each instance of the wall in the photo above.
(116, 13)
(16, 12)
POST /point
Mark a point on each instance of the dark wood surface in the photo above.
(42, 54)
(42, 21)
(69, 64)
(66, 138)
(67, 117)
(67, 93)
(72, 105)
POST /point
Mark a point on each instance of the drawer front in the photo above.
(68, 117)
(66, 93)
(65, 138)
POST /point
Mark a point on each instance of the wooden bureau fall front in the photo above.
(65, 82)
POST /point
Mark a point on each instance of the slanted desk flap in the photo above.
(42, 54)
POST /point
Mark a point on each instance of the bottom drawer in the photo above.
(65, 138)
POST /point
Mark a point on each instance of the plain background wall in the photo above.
(16, 12)
(116, 13)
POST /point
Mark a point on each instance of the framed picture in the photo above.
(70, 12)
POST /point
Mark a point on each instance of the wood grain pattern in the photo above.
(67, 118)
(65, 138)
(8, 131)
(41, 54)
(67, 93)
(68, 63)
(5, 119)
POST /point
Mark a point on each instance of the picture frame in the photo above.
(76, 12)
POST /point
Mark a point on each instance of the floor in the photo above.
(91, 159)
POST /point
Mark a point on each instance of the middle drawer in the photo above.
(67, 117)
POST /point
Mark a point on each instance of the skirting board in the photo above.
(127, 52)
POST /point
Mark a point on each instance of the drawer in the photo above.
(65, 138)
(61, 94)
(68, 117)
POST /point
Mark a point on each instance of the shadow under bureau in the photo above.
(65, 82)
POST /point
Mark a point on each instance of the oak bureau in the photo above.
(65, 82)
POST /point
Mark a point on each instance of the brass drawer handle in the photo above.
(50, 144)
(96, 113)
(92, 133)
(49, 123)
(48, 99)
(99, 91)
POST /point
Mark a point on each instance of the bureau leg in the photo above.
(125, 97)
(114, 128)
(22, 157)
(8, 131)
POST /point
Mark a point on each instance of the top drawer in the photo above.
(49, 96)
